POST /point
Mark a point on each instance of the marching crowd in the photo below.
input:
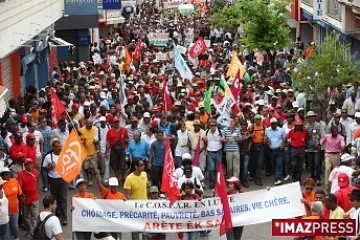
(125, 104)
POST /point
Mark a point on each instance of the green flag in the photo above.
(207, 99)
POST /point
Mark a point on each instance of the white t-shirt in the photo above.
(182, 140)
(4, 210)
(192, 179)
(335, 174)
(102, 141)
(196, 173)
(48, 160)
(52, 225)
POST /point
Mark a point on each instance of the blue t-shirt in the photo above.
(158, 149)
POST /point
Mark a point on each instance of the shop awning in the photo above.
(54, 41)
(3, 108)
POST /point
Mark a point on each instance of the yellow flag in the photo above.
(71, 158)
(235, 65)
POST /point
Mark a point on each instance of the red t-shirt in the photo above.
(343, 199)
(15, 149)
(28, 182)
(30, 152)
(298, 138)
(266, 122)
(113, 136)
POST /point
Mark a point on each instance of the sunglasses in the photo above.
(309, 189)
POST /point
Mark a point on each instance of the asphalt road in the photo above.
(253, 232)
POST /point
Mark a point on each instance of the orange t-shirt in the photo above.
(310, 198)
(12, 190)
(314, 217)
(85, 195)
(356, 134)
(204, 118)
(107, 194)
(258, 133)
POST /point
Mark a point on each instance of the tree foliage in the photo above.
(263, 22)
(329, 66)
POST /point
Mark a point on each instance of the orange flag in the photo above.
(71, 158)
(128, 60)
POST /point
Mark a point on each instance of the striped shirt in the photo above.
(233, 135)
(131, 131)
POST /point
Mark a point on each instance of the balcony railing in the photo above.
(334, 9)
(308, 2)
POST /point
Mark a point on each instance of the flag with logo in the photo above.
(198, 48)
(181, 65)
(235, 90)
(71, 158)
(168, 102)
(169, 184)
(223, 102)
(220, 187)
(57, 108)
(207, 99)
(137, 52)
(235, 66)
(196, 161)
(128, 61)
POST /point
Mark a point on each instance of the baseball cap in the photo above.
(79, 181)
(346, 157)
(257, 117)
(24, 119)
(153, 189)
(113, 182)
(30, 136)
(28, 160)
(343, 180)
(357, 114)
(18, 135)
(186, 156)
(5, 169)
(298, 122)
(146, 115)
(75, 105)
(273, 120)
(102, 119)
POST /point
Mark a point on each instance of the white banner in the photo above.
(158, 38)
(158, 216)
(160, 56)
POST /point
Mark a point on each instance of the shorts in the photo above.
(117, 160)
(91, 165)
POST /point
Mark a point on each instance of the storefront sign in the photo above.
(249, 208)
(114, 17)
(159, 39)
(111, 4)
(80, 7)
(319, 9)
(84, 40)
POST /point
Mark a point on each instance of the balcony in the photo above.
(308, 2)
(21, 20)
(334, 9)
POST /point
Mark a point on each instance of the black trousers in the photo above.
(59, 188)
(156, 175)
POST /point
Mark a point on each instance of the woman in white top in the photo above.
(182, 144)
(4, 214)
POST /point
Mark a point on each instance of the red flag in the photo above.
(169, 184)
(198, 48)
(137, 52)
(235, 90)
(57, 108)
(196, 161)
(226, 221)
(168, 102)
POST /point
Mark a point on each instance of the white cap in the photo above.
(357, 114)
(80, 180)
(87, 104)
(186, 156)
(102, 95)
(273, 120)
(295, 104)
(113, 182)
(346, 157)
(5, 169)
(146, 115)
(102, 119)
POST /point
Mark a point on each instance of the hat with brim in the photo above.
(153, 189)
(310, 114)
(79, 181)
(343, 180)
(355, 194)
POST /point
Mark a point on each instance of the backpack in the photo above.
(40, 231)
(220, 132)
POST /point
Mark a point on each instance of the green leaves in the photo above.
(263, 22)
(330, 65)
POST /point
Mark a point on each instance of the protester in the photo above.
(4, 213)
(82, 193)
(345, 189)
(52, 224)
(315, 213)
(308, 194)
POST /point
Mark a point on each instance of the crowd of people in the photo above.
(116, 104)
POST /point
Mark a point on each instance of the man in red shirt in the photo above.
(30, 147)
(28, 180)
(117, 140)
(298, 138)
(17, 146)
(344, 191)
